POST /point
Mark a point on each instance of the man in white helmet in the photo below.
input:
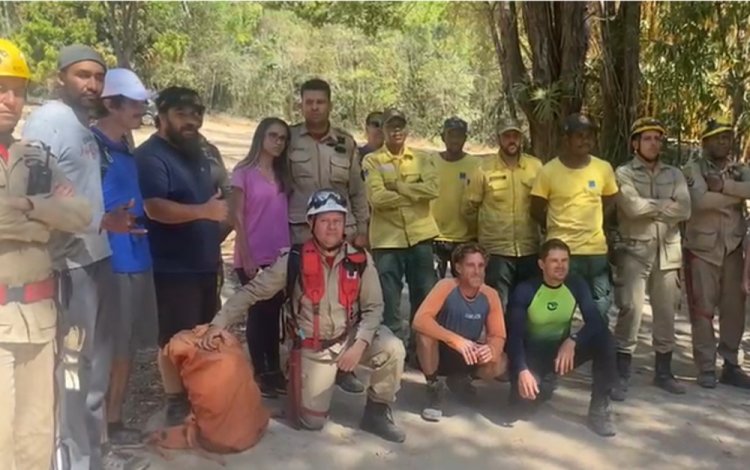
(334, 320)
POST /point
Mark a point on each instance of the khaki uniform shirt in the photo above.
(24, 249)
(650, 206)
(717, 225)
(333, 315)
(499, 198)
(331, 162)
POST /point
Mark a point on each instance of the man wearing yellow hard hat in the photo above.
(653, 201)
(35, 199)
(719, 189)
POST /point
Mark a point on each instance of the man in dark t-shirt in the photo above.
(541, 345)
(184, 210)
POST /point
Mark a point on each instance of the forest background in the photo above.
(682, 62)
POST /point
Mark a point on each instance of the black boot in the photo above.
(349, 383)
(267, 385)
(735, 376)
(620, 390)
(600, 416)
(663, 377)
(178, 408)
(460, 385)
(378, 420)
(433, 409)
(707, 379)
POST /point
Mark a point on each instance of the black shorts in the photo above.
(451, 362)
(184, 301)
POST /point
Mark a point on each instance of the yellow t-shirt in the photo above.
(453, 178)
(575, 213)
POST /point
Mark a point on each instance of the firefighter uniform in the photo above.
(714, 261)
(384, 354)
(498, 197)
(650, 207)
(330, 162)
(399, 189)
(28, 307)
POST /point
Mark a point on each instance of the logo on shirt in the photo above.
(462, 176)
(592, 184)
(551, 306)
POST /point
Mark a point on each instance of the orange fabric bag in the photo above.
(227, 413)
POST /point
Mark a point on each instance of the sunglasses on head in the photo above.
(320, 200)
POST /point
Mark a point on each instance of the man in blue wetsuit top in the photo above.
(542, 345)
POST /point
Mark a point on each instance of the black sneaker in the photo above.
(120, 436)
(278, 382)
(267, 385)
(349, 383)
(433, 410)
(178, 408)
(461, 386)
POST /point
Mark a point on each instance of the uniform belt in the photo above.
(28, 293)
(309, 343)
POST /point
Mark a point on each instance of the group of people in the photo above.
(124, 244)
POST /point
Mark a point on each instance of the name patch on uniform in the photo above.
(498, 177)
(462, 175)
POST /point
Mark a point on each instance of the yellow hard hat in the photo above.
(716, 126)
(646, 124)
(12, 61)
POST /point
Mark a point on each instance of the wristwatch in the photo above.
(574, 337)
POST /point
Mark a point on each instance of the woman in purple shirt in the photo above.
(261, 186)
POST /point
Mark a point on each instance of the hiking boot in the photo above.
(460, 385)
(120, 436)
(600, 417)
(122, 461)
(378, 420)
(663, 377)
(267, 385)
(278, 382)
(433, 411)
(620, 390)
(734, 375)
(349, 383)
(178, 408)
(707, 379)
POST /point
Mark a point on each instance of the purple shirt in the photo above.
(265, 217)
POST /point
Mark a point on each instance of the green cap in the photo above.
(508, 124)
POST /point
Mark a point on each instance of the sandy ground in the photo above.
(703, 429)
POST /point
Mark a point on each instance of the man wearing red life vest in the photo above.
(335, 321)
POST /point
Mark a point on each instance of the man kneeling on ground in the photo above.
(332, 281)
(449, 324)
(541, 345)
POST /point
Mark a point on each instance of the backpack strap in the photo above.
(290, 326)
(350, 277)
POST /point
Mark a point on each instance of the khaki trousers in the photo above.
(637, 278)
(385, 356)
(710, 287)
(27, 426)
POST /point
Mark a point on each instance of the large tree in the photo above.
(547, 82)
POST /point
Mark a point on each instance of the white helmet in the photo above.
(325, 200)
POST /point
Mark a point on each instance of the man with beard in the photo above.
(719, 189)
(498, 199)
(454, 169)
(569, 199)
(83, 260)
(183, 210)
(449, 324)
(401, 182)
(653, 200)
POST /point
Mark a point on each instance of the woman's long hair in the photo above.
(280, 164)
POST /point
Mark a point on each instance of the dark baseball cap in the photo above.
(457, 123)
(508, 124)
(375, 117)
(175, 96)
(577, 122)
(75, 53)
(391, 114)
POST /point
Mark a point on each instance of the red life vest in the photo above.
(313, 283)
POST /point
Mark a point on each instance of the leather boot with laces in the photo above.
(378, 420)
(663, 377)
(600, 417)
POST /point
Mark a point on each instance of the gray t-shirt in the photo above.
(78, 157)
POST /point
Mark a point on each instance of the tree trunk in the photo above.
(620, 77)
(557, 35)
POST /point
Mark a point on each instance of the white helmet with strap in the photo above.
(325, 200)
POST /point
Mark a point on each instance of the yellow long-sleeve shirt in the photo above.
(498, 198)
(453, 177)
(399, 189)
